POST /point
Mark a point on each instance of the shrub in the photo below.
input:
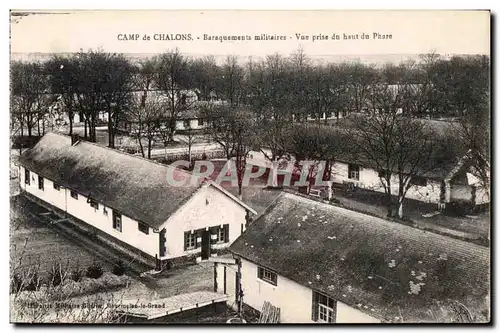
(119, 268)
(55, 275)
(32, 282)
(16, 283)
(94, 271)
(76, 274)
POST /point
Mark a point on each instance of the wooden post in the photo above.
(225, 284)
(239, 293)
(215, 277)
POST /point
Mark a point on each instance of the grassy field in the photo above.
(34, 245)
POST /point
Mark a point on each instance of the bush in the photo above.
(76, 274)
(16, 283)
(32, 282)
(55, 275)
(119, 268)
(94, 271)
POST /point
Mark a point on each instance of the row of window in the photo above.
(117, 218)
(324, 308)
(353, 173)
(191, 238)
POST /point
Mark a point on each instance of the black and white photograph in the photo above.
(245, 167)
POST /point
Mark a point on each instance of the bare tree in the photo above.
(233, 129)
(205, 73)
(297, 82)
(268, 90)
(63, 81)
(230, 83)
(117, 91)
(318, 145)
(398, 146)
(189, 138)
(91, 88)
(361, 78)
(30, 96)
(472, 134)
(173, 79)
(145, 120)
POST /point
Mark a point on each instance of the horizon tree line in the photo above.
(270, 103)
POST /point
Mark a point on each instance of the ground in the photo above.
(33, 244)
(470, 227)
(36, 245)
(44, 245)
(125, 141)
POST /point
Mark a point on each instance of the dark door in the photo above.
(205, 245)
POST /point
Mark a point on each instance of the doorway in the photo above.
(205, 245)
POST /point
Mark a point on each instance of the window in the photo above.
(26, 176)
(353, 171)
(117, 221)
(74, 195)
(324, 308)
(104, 211)
(189, 240)
(93, 203)
(200, 122)
(223, 234)
(143, 228)
(419, 181)
(40, 183)
(57, 187)
(268, 275)
(186, 124)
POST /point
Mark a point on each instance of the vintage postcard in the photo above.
(250, 167)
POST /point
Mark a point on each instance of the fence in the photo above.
(208, 155)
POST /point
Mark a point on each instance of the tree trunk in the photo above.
(70, 116)
(111, 136)
(400, 207)
(389, 197)
(274, 172)
(140, 145)
(150, 141)
(85, 127)
(189, 152)
(38, 127)
(401, 197)
(92, 125)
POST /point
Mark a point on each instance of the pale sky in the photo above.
(413, 32)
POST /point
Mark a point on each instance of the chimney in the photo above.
(74, 139)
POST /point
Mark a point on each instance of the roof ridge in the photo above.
(129, 155)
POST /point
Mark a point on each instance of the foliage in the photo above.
(119, 268)
(94, 271)
(76, 274)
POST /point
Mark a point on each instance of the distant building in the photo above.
(450, 182)
(320, 263)
(131, 200)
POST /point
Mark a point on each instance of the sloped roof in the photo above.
(388, 270)
(135, 187)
